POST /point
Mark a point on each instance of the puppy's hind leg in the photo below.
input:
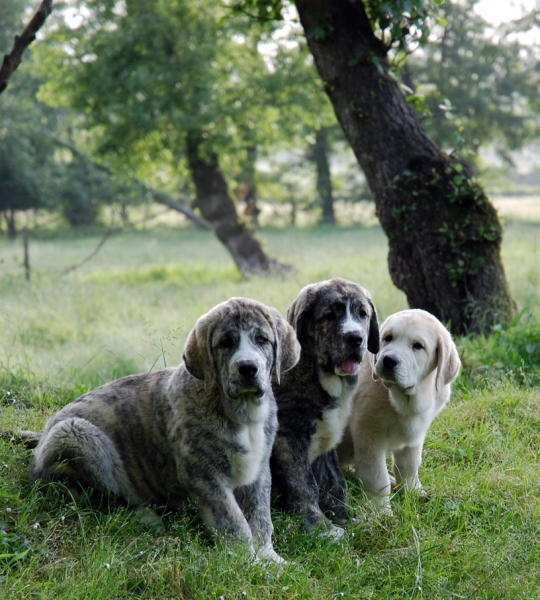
(79, 453)
(29, 438)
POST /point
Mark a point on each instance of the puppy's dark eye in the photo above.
(387, 338)
(417, 346)
(226, 342)
(261, 340)
(327, 316)
(362, 314)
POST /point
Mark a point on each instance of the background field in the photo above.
(130, 308)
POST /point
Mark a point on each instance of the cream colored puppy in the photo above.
(396, 400)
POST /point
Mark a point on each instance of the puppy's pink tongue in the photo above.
(350, 366)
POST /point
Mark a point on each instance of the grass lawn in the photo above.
(129, 309)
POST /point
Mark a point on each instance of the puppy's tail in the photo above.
(29, 438)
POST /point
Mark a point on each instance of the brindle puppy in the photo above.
(336, 323)
(204, 429)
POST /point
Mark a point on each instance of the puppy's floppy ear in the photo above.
(197, 351)
(287, 347)
(374, 338)
(299, 309)
(448, 363)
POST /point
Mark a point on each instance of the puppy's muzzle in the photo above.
(247, 369)
(390, 362)
(248, 380)
(354, 339)
(387, 368)
(355, 348)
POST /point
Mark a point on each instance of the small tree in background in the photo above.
(478, 86)
(19, 183)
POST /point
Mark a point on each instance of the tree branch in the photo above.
(159, 197)
(181, 208)
(13, 59)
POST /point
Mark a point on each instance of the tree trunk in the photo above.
(217, 207)
(9, 216)
(319, 154)
(444, 235)
(247, 192)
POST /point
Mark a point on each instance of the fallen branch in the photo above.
(82, 262)
(13, 59)
(101, 243)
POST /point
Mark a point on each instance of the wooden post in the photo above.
(26, 257)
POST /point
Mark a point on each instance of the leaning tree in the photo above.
(444, 235)
(144, 75)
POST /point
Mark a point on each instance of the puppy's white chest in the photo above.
(246, 462)
(411, 431)
(330, 428)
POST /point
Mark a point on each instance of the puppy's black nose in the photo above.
(390, 361)
(247, 369)
(354, 338)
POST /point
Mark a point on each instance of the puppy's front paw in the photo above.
(423, 496)
(267, 553)
(332, 532)
(148, 517)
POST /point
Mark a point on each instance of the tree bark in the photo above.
(9, 216)
(247, 192)
(13, 59)
(319, 154)
(444, 235)
(217, 207)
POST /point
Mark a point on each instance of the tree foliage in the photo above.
(150, 73)
(476, 85)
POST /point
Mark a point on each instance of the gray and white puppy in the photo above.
(336, 323)
(204, 429)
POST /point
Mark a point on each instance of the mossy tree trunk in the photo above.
(444, 234)
(217, 207)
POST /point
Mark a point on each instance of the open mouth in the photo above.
(351, 364)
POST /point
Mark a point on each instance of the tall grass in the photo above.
(130, 309)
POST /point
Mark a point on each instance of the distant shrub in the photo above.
(512, 352)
